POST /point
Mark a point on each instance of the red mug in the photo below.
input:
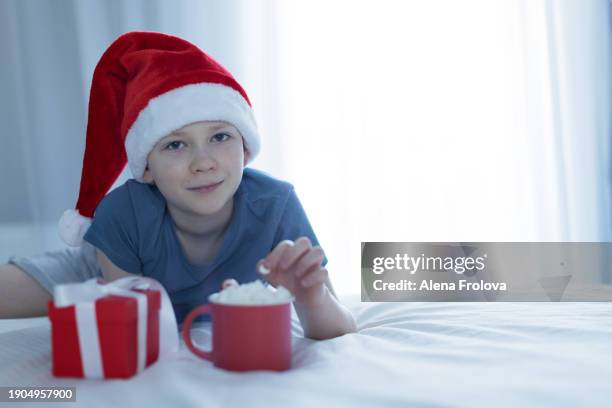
(245, 337)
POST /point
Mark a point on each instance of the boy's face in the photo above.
(196, 155)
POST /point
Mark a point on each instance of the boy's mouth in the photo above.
(205, 188)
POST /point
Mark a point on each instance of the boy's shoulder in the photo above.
(258, 185)
(265, 196)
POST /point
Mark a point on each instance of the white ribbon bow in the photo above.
(84, 295)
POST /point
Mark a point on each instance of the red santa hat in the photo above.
(145, 86)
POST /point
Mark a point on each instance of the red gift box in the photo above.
(116, 319)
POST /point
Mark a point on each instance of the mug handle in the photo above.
(208, 355)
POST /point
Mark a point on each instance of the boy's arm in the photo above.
(20, 295)
(110, 271)
(297, 267)
(327, 318)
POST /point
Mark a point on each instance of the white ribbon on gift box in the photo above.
(84, 295)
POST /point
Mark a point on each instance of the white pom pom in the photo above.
(72, 227)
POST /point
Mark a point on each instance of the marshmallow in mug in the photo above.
(253, 293)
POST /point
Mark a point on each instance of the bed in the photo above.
(405, 354)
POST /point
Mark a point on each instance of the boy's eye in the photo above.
(173, 145)
(221, 137)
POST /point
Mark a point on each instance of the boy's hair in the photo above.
(145, 86)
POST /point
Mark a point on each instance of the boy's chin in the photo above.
(206, 212)
(208, 209)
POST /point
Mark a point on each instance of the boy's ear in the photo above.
(147, 177)
(246, 156)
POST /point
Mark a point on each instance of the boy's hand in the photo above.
(297, 267)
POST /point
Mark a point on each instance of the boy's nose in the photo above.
(202, 161)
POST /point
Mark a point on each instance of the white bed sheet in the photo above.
(405, 354)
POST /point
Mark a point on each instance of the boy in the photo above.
(193, 216)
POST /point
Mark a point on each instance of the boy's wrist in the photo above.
(315, 299)
(325, 318)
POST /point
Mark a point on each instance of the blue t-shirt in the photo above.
(133, 227)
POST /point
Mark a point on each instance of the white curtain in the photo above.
(580, 39)
(472, 120)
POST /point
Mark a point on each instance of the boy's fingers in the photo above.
(313, 258)
(313, 278)
(261, 268)
(271, 261)
(269, 276)
(301, 246)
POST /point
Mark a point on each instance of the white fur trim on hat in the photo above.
(185, 105)
(72, 227)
